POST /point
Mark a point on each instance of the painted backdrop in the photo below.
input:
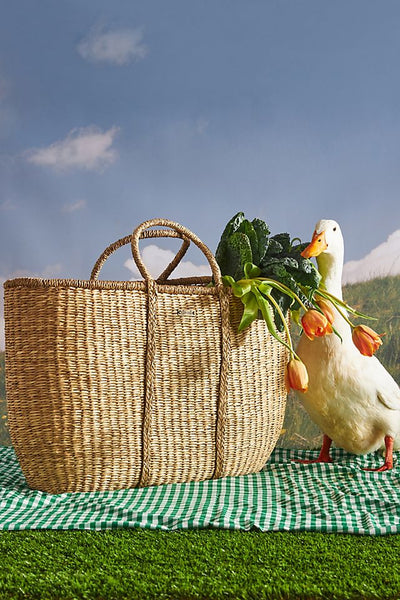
(114, 113)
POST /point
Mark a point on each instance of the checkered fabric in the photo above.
(285, 496)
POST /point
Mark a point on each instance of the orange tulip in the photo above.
(327, 309)
(366, 340)
(296, 376)
(315, 324)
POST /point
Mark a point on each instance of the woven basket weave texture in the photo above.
(114, 384)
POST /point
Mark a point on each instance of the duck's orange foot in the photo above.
(388, 464)
(324, 456)
(384, 467)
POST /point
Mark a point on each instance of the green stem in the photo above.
(332, 299)
(345, 317)
(338, 302)
(285, 289)
(285, 325)
(269, 320)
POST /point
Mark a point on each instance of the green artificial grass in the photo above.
(135, 563)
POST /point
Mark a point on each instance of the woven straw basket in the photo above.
(116, 384)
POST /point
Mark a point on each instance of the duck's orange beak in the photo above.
(316, 246)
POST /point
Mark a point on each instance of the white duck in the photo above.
(351, 397)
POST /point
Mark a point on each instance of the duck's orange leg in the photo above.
(324, 456)
(388, 464)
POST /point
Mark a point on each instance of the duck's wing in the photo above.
(390, 401)
(387, 390)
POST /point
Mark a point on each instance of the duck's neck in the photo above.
(331, 268)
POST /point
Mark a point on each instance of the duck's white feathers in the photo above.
(351, 397)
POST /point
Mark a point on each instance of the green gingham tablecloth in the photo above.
(285, 496)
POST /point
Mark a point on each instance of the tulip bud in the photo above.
(366, 340)
(315, 324)
(327, 309)
(296, 376)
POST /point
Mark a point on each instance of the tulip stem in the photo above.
(343, 314)
(285, 325)
(338, 302)
(279, 285)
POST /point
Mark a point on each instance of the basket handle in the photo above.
(177, 231)
(142, 232)
(145, 235)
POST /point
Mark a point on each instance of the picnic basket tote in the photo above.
(114, 384)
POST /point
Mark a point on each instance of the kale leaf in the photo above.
(277, 256)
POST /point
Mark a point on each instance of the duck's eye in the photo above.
(334, 229)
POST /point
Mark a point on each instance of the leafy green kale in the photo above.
(277, 257)
(241, 242)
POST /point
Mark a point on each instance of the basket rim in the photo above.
(189, 285)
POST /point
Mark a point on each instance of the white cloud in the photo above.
(87, 148)
(381, 261)
(74, 206)
(156, 259)
(49, 271)
(113, 46)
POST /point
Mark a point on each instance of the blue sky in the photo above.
(115, 112)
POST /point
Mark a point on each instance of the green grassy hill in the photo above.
(379, 298)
